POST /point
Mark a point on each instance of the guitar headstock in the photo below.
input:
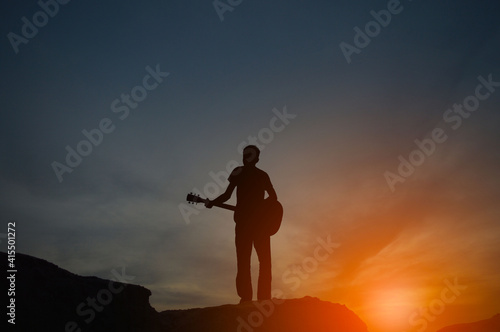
(192, 198)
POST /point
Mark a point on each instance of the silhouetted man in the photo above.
(251, 184)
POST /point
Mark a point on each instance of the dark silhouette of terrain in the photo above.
(295, 315)
(487, 325)
(49, 298)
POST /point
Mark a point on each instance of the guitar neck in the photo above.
(226, 206)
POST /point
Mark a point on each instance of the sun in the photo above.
(391, 307)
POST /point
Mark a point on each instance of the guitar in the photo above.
(271, 213)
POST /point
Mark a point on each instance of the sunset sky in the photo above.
(407, 237)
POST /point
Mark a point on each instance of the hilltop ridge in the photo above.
(53, 298)
(487, 325)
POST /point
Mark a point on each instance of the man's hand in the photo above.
(209, 204)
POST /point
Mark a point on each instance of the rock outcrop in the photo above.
(49, 298)
(294, 315)
(487, 325)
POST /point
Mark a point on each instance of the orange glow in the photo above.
(396, 250)
(390, 307)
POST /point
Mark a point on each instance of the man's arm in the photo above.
(271, 192)
(223, 197)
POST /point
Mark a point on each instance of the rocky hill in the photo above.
(295, 315)
(49, 298)
(487, 325)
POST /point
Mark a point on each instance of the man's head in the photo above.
(251, 155)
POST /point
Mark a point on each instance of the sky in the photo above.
(378, 123)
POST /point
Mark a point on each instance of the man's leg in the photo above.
(243, 243)
(263, 247)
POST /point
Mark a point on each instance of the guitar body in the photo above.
(269, 216)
